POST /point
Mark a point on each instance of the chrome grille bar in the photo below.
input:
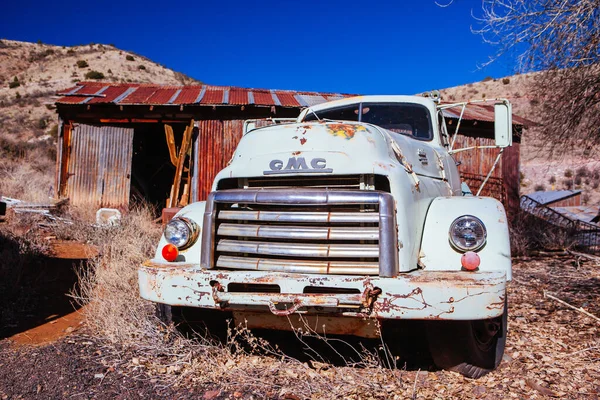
(316, 217)
(299, 249)
(298, 232)
(298, 266)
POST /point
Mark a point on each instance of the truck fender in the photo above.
(437, 252)
(195, 213)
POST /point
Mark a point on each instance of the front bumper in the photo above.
(442, 295)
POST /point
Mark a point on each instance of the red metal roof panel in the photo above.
(188, 95)
(263, 98)
(110, 94)
(139, 96)
(70, 100)
(161, 96)
(287, 99)
(213, 96)
(238, 96)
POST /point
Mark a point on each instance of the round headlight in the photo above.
(181, 232)
(467, 233)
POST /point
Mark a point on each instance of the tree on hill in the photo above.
(561, 37)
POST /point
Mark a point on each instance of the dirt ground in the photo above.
(553, 351)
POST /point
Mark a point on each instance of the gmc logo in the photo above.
(298, 165)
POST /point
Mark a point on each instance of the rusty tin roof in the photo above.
(152, 94)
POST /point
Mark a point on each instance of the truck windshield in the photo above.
(407, 119)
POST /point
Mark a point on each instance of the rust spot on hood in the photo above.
(346, 131)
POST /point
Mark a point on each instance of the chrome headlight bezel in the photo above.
(190, 227)
(474, 224)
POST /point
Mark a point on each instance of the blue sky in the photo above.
(365, 47)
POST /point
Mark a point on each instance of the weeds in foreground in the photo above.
(134, 335)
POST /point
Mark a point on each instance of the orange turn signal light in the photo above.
(470, 261)
(170, 252)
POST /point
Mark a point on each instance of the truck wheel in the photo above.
(472, 348)
(164, 313)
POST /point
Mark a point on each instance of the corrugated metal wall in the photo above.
(99, 166)
(476, 164)
(217, 142)
(570, 202)
(478, 161)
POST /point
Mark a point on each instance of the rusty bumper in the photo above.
(417, 295)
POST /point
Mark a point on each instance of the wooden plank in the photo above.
(170, 136)
(72, 250)
(185, 144)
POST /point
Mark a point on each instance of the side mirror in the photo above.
(503, 124)
(249, 125)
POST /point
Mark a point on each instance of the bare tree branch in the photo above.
(562, 38)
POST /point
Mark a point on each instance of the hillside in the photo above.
(31, 74)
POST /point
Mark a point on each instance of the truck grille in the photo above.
(301, 230)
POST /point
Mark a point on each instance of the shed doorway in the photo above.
(152, 171)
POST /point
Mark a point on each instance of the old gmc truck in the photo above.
(351, 216)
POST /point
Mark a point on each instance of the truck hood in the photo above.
(326, 148)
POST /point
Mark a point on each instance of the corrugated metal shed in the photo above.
(552, 196)
(582, 213)
(138, 93)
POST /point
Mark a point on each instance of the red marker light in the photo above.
(470, 261)
(170, 252)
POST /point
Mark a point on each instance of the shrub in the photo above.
(568, 184)
(14, 84)
(568, 173)
(129, 57)
(505, 81)
(94, 75)
(18, 96)
(82, 64)
(42, 124)
(53, 131)
(70, 52)
(595, 185)
(141, 67)
(487, 79)
(552, 180)
(578, 180)
(585, 199)
(583, 171)
(539, 188)
(109, 71)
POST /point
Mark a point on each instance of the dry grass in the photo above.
(115, 312)
(109, 284)
(27, 170)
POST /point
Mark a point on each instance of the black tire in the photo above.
(472, 348)
(164, 313)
